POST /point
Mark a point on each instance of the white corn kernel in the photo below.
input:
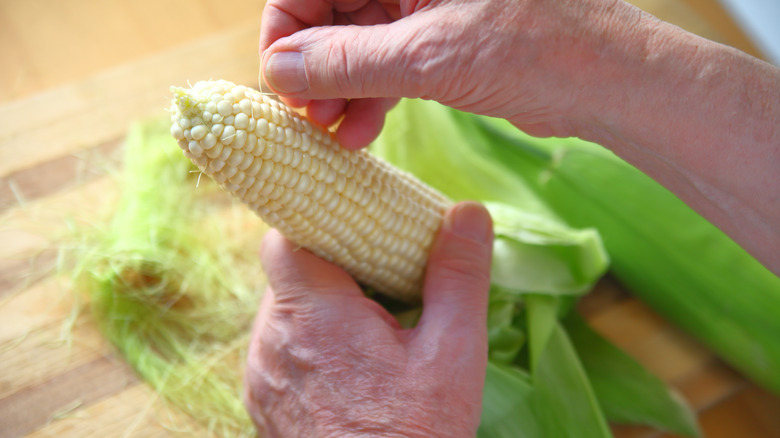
(195, 148)
(177, 132)
(198, 132)
(208, 141)
(224, 108)
(241, 121)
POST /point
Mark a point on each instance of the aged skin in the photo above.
(325, 361)
(701, 118)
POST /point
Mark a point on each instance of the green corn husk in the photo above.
(538, 266)
(664, 252)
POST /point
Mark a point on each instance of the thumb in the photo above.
(455, 293)
(343, 62)
(294, 273)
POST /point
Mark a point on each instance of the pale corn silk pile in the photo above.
(174, 282)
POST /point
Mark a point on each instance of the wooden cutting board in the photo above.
(74, 75)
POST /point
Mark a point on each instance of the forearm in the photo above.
(703, 119)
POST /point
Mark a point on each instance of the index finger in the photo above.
(283, 18)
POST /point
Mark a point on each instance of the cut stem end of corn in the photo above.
(348, 207)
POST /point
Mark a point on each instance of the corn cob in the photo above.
(348, 207)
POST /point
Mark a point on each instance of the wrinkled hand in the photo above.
(531, 62)
(325, 361)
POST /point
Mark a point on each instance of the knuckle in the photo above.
(424, 65)
(463, 269)
(338, 71)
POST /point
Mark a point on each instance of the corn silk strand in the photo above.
(173, 282)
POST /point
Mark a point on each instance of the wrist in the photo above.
(593, 59)
(700, 118)
(617, 69)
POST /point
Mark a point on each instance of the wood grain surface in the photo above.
(75, 74)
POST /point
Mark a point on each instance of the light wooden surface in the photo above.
(75, 74)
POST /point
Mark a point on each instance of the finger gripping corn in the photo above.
(348, 207)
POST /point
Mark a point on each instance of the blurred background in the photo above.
(758, 18)
(76, 73)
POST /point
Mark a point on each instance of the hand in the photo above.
(531, 62)
(325, 361)
(697, 116)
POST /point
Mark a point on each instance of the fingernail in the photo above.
(472, 221)
(286, 72)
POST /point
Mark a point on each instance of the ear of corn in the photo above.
(346, 206)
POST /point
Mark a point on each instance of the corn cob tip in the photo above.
(214, 114)
(345, 206)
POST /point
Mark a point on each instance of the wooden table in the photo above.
(74, 75)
